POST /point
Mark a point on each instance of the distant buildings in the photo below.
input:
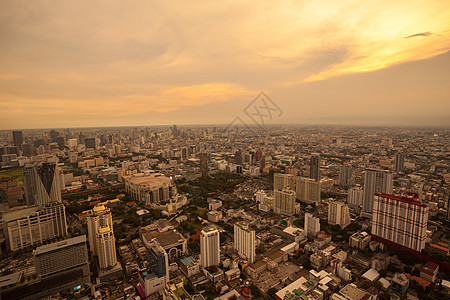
(314, 166)
(42, 184)
(375, 181)
(209, 247)
(244, 241)
(284, 202)
(400, 220)
(312, 225)
(338, 214)
(17, 138)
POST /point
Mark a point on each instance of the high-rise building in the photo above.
(89, 143)
(204, 163)
(314, 166)
(106, 247)
(345, 176)
(156, 276)
(284, 202)
(101, 236)
(283, 181)
(308, 190)
(244, 241)
(312, 225)
(209, 247)
(399, 162)
(42, 184)
(400, 220)
(17, 138)
(27, 150)
(62, 256)
(34, 225)
(72, 143)
(338, 214)
(355, 197)
(375, 181)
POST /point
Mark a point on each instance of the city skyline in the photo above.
(202, 63)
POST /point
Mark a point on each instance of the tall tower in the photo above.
(338, 214)
(312, 225)
(375, 181)
(209, 247)
(42, 186)
(244, 241)
(314, 166)
(204, 164)
(102, 242)
(17, 138)
(399, 162)
(345, 176)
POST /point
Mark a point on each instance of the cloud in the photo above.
(419, 34)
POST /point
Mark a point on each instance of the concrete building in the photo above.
(204, 164)
(244, 241)
(346, 179)
(42, 184)
(17, 138)
(399, 162)
(284, 202)
(338, 214)
(355, 197)
(150, 188)
(34, 225)
(314, 166)
(359, 240)
(209, 247)
(375, 181)
(312, 225)
(308, 190)
(400, 220)
(283, 181)
(171, 240)
(102, 242)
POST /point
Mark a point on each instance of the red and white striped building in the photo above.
(400, 220)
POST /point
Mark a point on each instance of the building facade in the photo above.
(400, 220)
(209, 247)
(338, 214)
(284, 202)
(308, 190)
(375, 181)
(244, 241)
(314, 166)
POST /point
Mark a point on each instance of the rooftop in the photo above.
(165, 238)
(402, 199)
(61, 244)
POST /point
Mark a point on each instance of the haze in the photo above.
(120, 63)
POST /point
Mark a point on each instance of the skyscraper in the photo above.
(338, 214)
(209, 247)
(27, 150)
(355, 197)
(314, 166)
(345, 176)
(284, 202)
(158, 260)
(89, 143)
(102, 242)
(312, 225)
(244, 241)
(400, 220)
(399, 162)
(17, 138)
(42, 184)
(375, 181)
(308, 190)
(283, 181)
(204, 163)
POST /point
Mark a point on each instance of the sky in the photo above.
(129, 63)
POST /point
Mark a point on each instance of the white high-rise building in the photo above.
(312, 225)
(209, 247)
(244, 241)
(42, 184)
(284, 202)
(106, 247)
(375, 181)
(400, 220)
(283, 181)
(308, 190)
(355, 197)
(260, 196)
(102, 242)
(338, 214)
